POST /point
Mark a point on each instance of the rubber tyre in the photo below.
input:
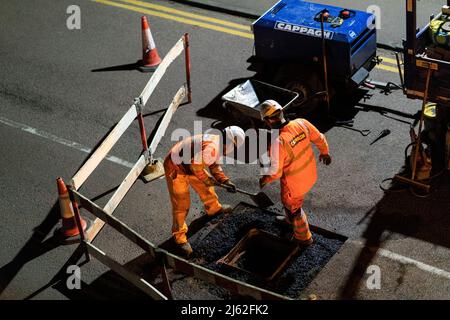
(303, 81)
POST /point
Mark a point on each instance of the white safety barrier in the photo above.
(104, 215)
(136, 111)
(166, 259)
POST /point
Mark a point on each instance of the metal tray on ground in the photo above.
(248, 97)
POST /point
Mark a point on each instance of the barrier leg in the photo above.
(187, 55)
(165, 279)
(76, 212)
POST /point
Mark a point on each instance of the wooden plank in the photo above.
(161, 70)
(115, 223)
(125, 186)
(420, 94)
(213, 277)
(100, 153)
(178, 98)
(117, 196)
(128, 275)
(96, 227)
(427, 65)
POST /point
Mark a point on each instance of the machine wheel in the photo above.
(305, 82)
(299, 86)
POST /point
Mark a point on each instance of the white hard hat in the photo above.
(269, 107)
(235, 135)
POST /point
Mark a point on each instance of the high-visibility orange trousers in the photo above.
(181, 201)
(296, 216)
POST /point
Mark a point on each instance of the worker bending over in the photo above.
(292, 161)
(186, 164)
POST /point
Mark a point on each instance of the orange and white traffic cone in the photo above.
(69, 227)
(150, 58)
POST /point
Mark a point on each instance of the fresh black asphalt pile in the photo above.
(228, 230)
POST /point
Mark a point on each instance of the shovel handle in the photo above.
(237, 190)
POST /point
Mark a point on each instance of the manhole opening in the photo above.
(261, 253)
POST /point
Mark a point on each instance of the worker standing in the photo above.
(186, 165)
(293, 162)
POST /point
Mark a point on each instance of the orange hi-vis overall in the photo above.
(186, 164)
(293, 162)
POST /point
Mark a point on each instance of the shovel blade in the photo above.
(262, 200)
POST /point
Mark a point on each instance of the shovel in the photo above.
(261, 199)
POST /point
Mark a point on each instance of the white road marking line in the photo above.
(409, 261)
(420, 265)
(67, 143)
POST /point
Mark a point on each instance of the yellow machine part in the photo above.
(440, 32)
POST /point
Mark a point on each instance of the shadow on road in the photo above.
(403, 213)
(36, 246)
(215, 109)
(110, 285)
(122, 67)
(40, 243)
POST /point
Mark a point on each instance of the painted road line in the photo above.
(199, 23)
(178, 19)
(408, 261)
(224, 22)
(387, 68)
(420, 265)
(62, 141)
(389, 60)
(188, 14)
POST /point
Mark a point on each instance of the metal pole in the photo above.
(142, 131)
(418, 143)
(76, 212)
(411, 28)
(324, 58)
(400, 73)
(187, 56)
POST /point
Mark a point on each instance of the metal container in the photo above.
(248, 96)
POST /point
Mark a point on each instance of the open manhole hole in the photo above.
(222, 239)
(261, 253)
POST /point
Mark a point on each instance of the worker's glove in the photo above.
(262, 182)
(210, 182)
(325, 158)
(231, 187)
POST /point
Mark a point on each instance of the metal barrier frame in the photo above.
(165, 258)
(105, 215)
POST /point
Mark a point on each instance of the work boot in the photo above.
(303, 243)
(186, 249)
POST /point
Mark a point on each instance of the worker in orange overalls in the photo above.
(293, 162)
(186, 165)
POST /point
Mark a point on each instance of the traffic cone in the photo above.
(69, 227)
(150, 58)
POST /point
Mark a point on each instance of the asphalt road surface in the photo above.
(62, 90)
